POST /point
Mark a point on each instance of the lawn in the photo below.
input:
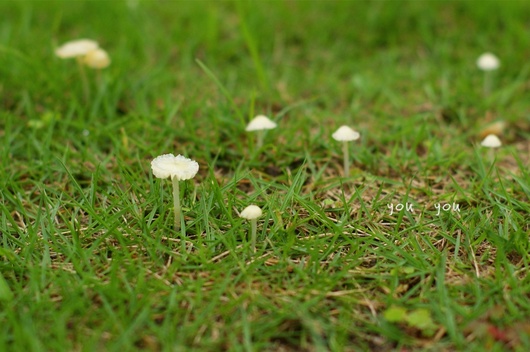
(423, 246)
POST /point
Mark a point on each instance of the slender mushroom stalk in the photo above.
(178, 168)
(492, 142)
(259, 124)
(345, 134)
(259, 139)
(252, 213)
(488, 62)
(177, 209)
(346, 154)
(84, 80)
(254, 229)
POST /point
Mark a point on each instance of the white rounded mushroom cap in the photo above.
(491, 141)
(76, 48)
(260, 122)
(488, 62)
(178, 167)
(345, 133)
(251, 212)
(97, 58)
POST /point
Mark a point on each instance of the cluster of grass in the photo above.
(90, 261)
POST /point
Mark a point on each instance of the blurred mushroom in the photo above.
(259, 124)
(491, 141)
(97, 58)
(76, 48)
(488, 62)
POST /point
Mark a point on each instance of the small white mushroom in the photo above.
(178, 168)
(97, 58)
(491, 141)
(259, 124)
(345, 134)
(488, 62)
(252, 213)
(76, 48)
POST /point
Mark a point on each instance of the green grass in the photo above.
(90, 261)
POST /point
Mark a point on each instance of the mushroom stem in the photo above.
(492, 156)
(487, 82)
(259, 139)
(253, 227)
(346, 159)
(176, 202)
(84, 80)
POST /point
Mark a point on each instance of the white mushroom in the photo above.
(252, 213)
(345, 134)
(488, 62)
(76, 48)
(97, 58)
(178, 168)
(491, 141)
(259, 124)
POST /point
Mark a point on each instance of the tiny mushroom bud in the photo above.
(345, 134)
(178, 168)
(259, 124)
(97, 58)
(252, 213)
(76, 48)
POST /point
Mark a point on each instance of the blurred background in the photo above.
(316, 63)
(284, 51)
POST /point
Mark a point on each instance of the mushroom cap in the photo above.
(178, 167)
(260, 122)
(97, 58)
(488, 62)
(76, 48)
(251, 212)
(491, 141)
(345, 133)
